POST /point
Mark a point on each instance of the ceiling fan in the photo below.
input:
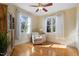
(41, 6)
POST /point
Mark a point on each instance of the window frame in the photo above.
(29, 18)
(50, 25)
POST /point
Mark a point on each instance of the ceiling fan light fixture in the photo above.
(40, 8)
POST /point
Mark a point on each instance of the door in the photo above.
(3, 18)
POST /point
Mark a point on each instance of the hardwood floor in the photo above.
(43, 50)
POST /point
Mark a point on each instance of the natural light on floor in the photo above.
(58, 46)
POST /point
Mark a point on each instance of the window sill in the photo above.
(50, 32)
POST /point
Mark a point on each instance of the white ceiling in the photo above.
(51, 9)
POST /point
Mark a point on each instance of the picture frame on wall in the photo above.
(10, 22)
(13, 23)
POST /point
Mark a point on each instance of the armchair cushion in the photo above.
(38, 38)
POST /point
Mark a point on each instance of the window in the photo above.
(51, 24)
(55, 25)
(25, 24)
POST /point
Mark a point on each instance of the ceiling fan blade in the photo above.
(37, 10)
(33, 6)
(45, 9)
(49, 4)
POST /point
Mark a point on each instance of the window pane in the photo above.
(53, 28)
(53, 21)
(49, 21)
(48, 28)
(51, 24)
(24, 24)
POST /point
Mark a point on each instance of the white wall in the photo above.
(70, 27)
(67, 33)
(55, 36)
(22, 37)
(77, 28)
(38, 22)
(25, 37)
(11, 11)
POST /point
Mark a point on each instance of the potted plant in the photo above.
(3, 43)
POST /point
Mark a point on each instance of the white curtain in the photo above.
(60, 25)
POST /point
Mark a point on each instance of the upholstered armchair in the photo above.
(38, 38)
